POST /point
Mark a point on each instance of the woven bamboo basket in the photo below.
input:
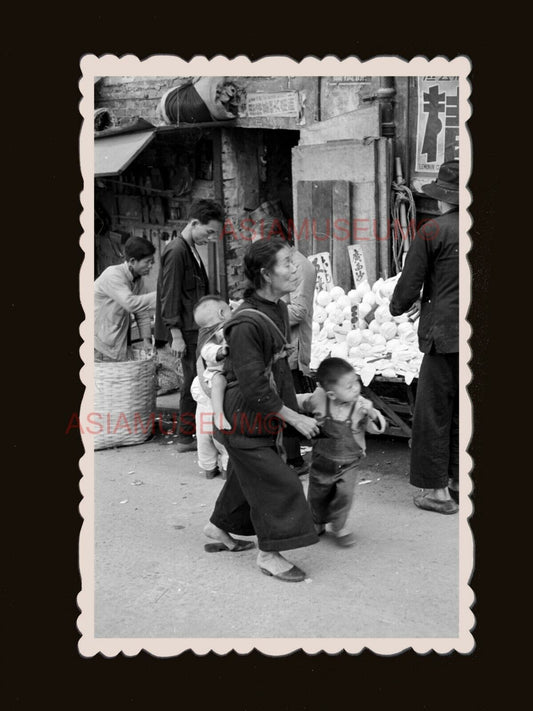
(124, 400)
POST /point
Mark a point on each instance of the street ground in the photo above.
(153, 578)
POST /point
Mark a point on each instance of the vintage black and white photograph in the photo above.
(275, 417)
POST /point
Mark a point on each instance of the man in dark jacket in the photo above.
(432, 266)
(182, 282)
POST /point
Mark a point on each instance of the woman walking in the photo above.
(262, 494)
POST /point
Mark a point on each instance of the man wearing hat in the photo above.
(429, 284)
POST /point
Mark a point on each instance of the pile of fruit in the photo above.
(359, 327)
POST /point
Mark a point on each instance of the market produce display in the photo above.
(359, 327)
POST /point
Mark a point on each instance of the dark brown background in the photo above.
(42, 265)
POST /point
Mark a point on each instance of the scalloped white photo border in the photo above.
(160, 65)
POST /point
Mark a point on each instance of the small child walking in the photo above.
(344, 416)
(210, 313)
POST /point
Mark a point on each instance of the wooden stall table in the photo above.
(396, 400)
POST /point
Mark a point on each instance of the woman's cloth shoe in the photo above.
(454, 494)
(211, 473)
(428, 504)
(320, 529)
(218, 546)
(293, 575)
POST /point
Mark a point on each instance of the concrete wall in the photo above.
(340, 95)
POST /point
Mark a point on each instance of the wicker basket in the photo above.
(124, 400)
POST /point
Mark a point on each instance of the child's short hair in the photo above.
(331, 370)
(204, 308)
(138, 248)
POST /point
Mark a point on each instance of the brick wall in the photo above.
(242, 189)
(127, 97)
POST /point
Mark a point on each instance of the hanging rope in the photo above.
(403, 212)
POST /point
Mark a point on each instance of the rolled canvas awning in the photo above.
(113, 154)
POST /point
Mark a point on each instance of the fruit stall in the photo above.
(357, 325)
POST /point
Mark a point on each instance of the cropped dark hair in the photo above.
(205, 211)
(138, 248)
(260, 255)
(331, 370)
(205, 299)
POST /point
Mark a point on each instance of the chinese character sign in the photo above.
(285, 103)
(437, 131)
(357, 263)
(322, 264)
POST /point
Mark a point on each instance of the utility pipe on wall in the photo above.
(382, 232)
(220, 248)
(385, 95)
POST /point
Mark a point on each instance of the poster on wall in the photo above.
(437, 126)
(324, 276)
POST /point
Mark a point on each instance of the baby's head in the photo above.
(211, 310)
(338, 378)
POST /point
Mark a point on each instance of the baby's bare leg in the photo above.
(217, 398)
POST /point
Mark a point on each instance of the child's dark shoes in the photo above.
(346, 540)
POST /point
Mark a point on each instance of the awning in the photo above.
(113, 154)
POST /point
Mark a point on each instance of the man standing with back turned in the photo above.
(432, 264)
(182, 282)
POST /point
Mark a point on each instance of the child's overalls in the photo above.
(333, 471)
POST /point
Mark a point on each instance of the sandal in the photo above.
(428, 504)
(293, 575)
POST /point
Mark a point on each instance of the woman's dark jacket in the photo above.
(250, 401)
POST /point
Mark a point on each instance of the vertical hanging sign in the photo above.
(357, 263)
(324, 276)
(437, 128)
